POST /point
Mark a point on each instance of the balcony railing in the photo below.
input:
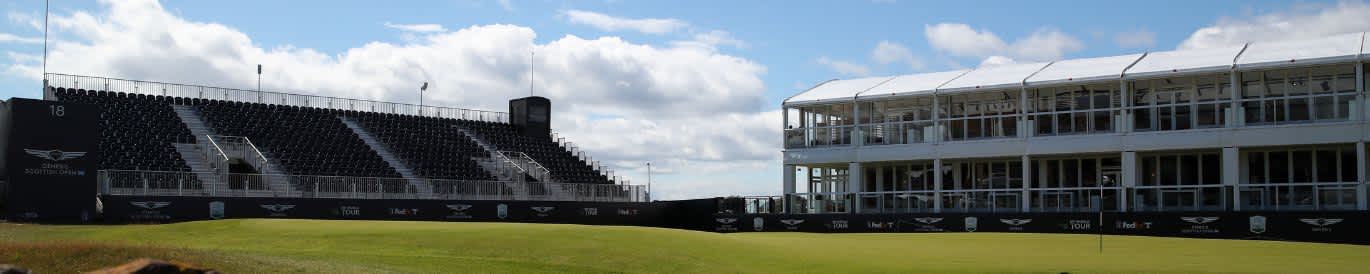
(160, 183)
(58, 80)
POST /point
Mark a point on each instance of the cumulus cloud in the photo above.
(844, 67)
(416, 27)
(711, 40)
(506, 4)
(887, 52)
(611, 23)
(962, 40)
(34, 21)
(1140, 38)
(994, 61)
(1300, 21)
(677, 106)
(11, 38)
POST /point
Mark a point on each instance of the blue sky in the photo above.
(766, 50)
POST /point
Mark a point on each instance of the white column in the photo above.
(1126, 114)
(936, 121)
(789, 186)
(1235, 118)
(1025, 198)
(1232, 175)
(1360, 172)
(1360, 108)
(857, 137)
(1129, 179)
(854, 184)
(937, 185)
(789, 179)
(1023, 129)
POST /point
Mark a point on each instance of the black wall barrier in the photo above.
(51, 156)
(1330, 227)
(140, 209)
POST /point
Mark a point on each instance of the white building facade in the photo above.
(1267, 126)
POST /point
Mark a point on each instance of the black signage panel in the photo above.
(52, 155)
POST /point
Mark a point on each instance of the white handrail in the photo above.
(254, 96)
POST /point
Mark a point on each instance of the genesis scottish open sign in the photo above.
(52, 155)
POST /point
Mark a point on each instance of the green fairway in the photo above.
(380, 246)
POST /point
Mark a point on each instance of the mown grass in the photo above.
(318, 246)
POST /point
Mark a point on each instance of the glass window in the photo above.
(1255, 167)
(1278, 167)
(1302, 163)
(1211, 167)
(1327, 166)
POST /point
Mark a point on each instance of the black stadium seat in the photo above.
(138, 130)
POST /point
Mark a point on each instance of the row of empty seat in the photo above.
(138, 133)
(432, 147)
(564, 166)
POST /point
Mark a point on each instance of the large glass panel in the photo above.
(1255, 167)
(1169, 172)
(1303, 166)
(1189, 169)
(1211, 168)
(1326, 162)
(1278, 167)
(1150, 173)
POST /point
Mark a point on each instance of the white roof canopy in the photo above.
(912, 84)
(836, 90)
(1323, 50)
(1340, 48)
(993, 77)
(1081, 70)
(1184, 61)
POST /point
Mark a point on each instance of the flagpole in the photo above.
(45, 44)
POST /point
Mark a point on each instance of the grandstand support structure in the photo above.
(384, 152)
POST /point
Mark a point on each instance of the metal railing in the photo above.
(527, 165)
(162, 183)
(226, 148)
(58, 80)
(585, 157)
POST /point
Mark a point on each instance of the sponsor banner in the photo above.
(127, 209)
(51, 161)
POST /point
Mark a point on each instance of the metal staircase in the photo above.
(390, 158)
(204, 163)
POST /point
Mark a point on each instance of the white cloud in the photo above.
(844, 67)
(685, 108)
(1140, 38)
(508, 6)
(712, 39)
(610, 23)
(962, 40)
(994, 61)
(887, 52)
(1300, 21)
(11, 38)
(32, 20)
(416, 27)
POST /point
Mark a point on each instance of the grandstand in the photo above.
(187, 140)
(1264, 126)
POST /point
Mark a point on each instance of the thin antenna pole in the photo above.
(531, 75)
(45, 43)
